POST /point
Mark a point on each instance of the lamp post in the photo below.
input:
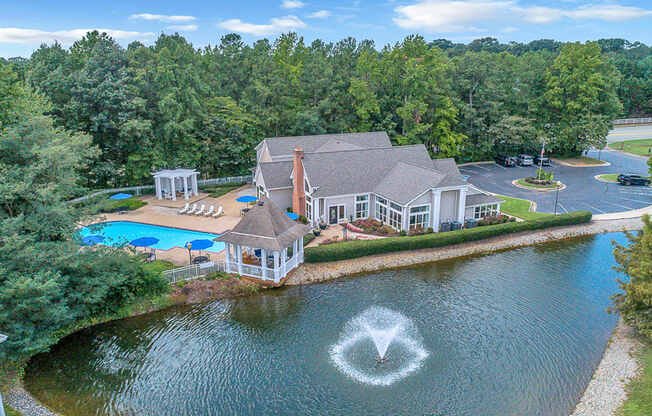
(189, 246)
(3, 338)
(557, 196)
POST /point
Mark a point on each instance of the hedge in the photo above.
(360, 248)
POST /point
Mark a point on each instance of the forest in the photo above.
(171, 104)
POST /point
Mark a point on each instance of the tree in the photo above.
(514, 134)
(635, 260)
(581, 88)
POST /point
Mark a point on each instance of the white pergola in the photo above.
(165, 182)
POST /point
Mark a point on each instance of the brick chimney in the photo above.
(298, 193)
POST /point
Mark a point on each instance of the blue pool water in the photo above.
(118, 233)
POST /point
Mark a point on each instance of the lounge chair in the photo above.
(192, 210)
(201, 210)
(219, 212)
(210, 211)
(185, 209)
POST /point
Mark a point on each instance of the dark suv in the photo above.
(507, 161)
(544, 161)
(633, 179)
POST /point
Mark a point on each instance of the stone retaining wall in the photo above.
(318, 272)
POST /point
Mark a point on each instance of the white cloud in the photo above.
(66, 37)
(448, 16)
(163, 17)
(610, 13)
(276, 25)
(510, 29)
(538, 14)
(292, 4)
(184, 28)
(322, 14)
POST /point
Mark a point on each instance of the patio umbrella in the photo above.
(121, 196)
(292, 215)
(199, 244)
(91, 240)
(144, 242)
(247, 198)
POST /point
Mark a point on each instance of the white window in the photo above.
(308, 208)
(420, 217)
(485, 211)
(381, 210)
(361, 206)
(395, 216)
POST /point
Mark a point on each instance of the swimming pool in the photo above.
(118, 233)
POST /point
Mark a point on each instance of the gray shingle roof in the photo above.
(265, 226)
(404, 182)
(279, 146)
(353, 172)
(276, 174)
(481, 199)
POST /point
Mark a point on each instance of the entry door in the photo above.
(335, 214)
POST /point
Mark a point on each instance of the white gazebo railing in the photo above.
(282, 264)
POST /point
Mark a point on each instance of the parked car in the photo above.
(541, 161)
(525, 160)
(633, 179)
(505, 160)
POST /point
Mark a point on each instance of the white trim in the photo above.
(276, 189)
(440, 189)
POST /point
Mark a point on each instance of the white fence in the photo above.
(139, 189)
(628, 121)
(193, 271)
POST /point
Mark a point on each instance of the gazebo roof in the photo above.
(265, 226)
(169, 173)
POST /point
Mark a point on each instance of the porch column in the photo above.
(436, 205)
(185, 188)
(263, 261)
(194, 184)
(157, 183)
(276, 266)
(173, 188)
(238, 257)
(300, 250)
(461, 206)
(405, 219)
(284, 259)
(227, 257)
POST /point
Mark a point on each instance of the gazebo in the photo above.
(167, 182)
(265, 244)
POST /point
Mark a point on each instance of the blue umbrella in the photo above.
(199, 244)
(247, 198)
(144, 242)
(292, 215)
(121, 196)
(91, 240)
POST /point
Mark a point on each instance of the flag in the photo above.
(543, 149)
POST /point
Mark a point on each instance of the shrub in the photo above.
(303, 219)
(129, 204)
(360, 248)
(498, 219)
(308, 238)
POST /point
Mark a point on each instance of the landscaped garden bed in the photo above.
(374, 227)
(497, 219)
(580, 161)
(608, 177)
(528, 183)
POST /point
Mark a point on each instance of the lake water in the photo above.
(519, 332)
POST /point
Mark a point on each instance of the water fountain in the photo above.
(362, 351)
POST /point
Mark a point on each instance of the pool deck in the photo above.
(165, 213)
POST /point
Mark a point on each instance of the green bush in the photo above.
(308, 238)
(129, 204)
(360, 248)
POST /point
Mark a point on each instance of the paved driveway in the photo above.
(630, 133)
(582, 190)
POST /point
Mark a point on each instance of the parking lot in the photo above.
(583, 191)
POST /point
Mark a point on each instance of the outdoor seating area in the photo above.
(201, 210)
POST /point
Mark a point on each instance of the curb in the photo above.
(597, 178)
(486, 162)
(582, 165)
(518, 185)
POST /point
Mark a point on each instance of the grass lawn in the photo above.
(581, 160)
(216, 191)
(609, 177)
(638, 147)
(639, 398)
(519, 208)
(532, 185)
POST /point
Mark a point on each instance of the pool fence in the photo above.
(193, 271)
(138, 190)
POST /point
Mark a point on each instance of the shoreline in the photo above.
(21, 400)
(309, 273)
(618, 366)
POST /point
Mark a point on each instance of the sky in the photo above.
(24, 25)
